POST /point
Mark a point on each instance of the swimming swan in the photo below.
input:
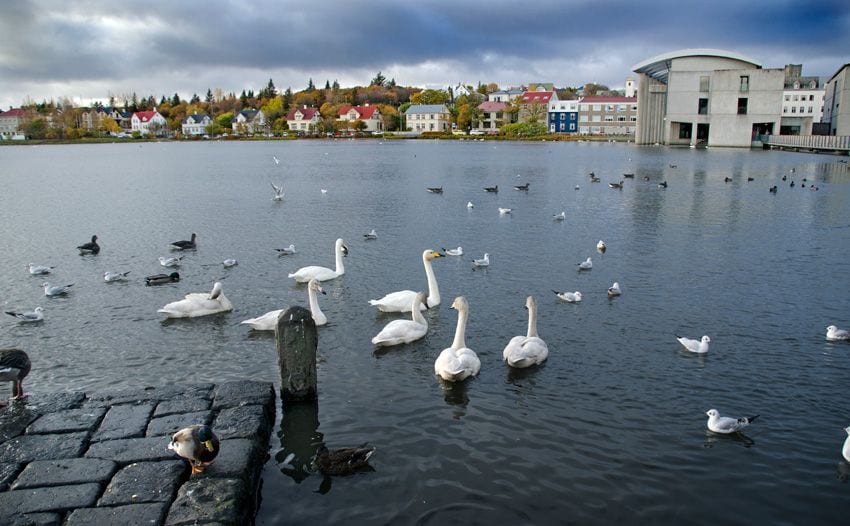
(198, 304)
(528, 350)
(458, 362)
(268, 321)
(405, 331)
(305, 274)
(402, 300)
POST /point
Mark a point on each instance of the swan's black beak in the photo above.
(426, 304)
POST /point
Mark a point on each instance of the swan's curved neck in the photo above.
(313, 298)
(433, 289)
(417, 313)
(532, 322)
(460, 333)
(340, 267)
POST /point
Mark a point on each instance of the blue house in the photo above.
(563, 116)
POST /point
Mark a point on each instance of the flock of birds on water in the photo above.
(199, 444)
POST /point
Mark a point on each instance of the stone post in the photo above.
(296, 340)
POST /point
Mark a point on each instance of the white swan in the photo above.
(528, 350)
(402, 300)
(305, 274)
(404, 331)
(198, 304)
(268, 321)
(697, 346)
(458, 362)
(845, 450)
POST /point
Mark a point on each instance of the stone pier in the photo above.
(102, 458)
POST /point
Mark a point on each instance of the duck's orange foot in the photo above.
(197, 469)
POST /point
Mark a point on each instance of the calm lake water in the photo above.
(612, 429)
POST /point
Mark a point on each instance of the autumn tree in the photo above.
(430, 96)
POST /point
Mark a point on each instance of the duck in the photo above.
(397, 332)
(458, 362)
(287, 251)
(454, 251)
(587, 264)
(37, 270)
(483, 262)
(569, 297)
(91, 247)
(833, 333)
(560, 217)
(305, 274)
(14, 367)
(436, 189)
(528, 350)
(170, 262)
(696, 346)
(58, 290)
(198, 444)
(726, 425)
(662, 184)
(371, 235)
(601, 247)
(629, 175)
(159, 279)
(401, 301)
(772, 189)
(593, 178)
(32, 316)
(505, 211)
(727, 179)
(614, 290)
(185, 245)
(521, 187)
(268, 321)
(492, 189)
(750, 179)
(616, 186)
(198, 304)
(115, 276)
(845, 451)
(343, 461)
(278, 192)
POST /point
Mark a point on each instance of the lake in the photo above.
(611, 429)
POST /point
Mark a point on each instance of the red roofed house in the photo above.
(146, 122)
(303, 119)
(609, 115)
(10, 122)
(366, 113)
(493, 116)
(534, 105)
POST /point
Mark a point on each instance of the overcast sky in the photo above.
(91, 49)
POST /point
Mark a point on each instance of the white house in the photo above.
(303, 119)
(428, 118)
(10, 122)
(505, 95)
(365, 113)
(196, 124)
(249, 122)
(146, 122)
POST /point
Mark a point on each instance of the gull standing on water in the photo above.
(58, 290)
(726, 425)
(833, 333)
(696, 346)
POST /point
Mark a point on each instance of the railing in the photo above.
(808, 142)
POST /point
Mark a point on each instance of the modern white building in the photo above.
(836, 103)
(802, 102)
(146, 122)
(196, 124)
(706, 97)
(422, 118)
(607, 115)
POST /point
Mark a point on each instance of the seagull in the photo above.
(614, 290)
(371, 235)
(662, 184)
(569, 297)
(115, 276)
(59, 290)
(578, 187)
(697, 346)
(483, 262)
(324, 190)
(845, 451)
(170, 262)
(288, 251)
(616, 186)
(36, 270)
(435, 189)
(31, 316)
(276, 160)
(601, 246)
(585, 265)
(492, 189)
(504, 211)
(454, 251)
(91, 247)
(521, 187)
(560, 217)
(229, 263)
(469, 204)
(726, 425)
(184, 245)
(278, 192)
(833, 333)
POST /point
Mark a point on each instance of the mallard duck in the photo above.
(185, 245)
(14, 367)
(344, 461)
(159, 279)
(91, 247)
(197, 444)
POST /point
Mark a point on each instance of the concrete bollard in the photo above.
(297, 339)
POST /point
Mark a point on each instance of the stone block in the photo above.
(50, 403)
(26, 448)
(41, 473)
(238, 458)
(145, 482)
(36, 519)
(223, 501)
(8, 472)
(168, 425)
(248, 421)
(182, 405)
(150, 514)
(244, 392)
(109, 398)
(14, 420)
(57, 498)
(124, 421)
(128, 450)
(67, 421)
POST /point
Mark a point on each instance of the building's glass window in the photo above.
(787, 98)
(745, 83)
(796, 98)
(597, 107)
(793, 109)
(784, 109)
(811, 97)
(563, 116)
(742, 104)
(810, 109)
(702, 107)
(704, 83)
(597, 118)
(609, 118)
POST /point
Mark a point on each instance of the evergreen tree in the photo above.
(134, 103)
(209, 98)
(195, 99)
(287, 99)
(310, 86)
(243, 99)
(175, 100)
(335, 86)
(327, 84)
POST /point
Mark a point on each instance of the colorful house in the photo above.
(365, 113)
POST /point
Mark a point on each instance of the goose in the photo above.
(268, 321)
(614, 290)
(792, 184)
(492, 189)
(833, 333)
(198, 444)
(629, 175)
(726, 425)
(228, 263)
(750, 179)
(91, 247)
(521, 187)
(483, 262)
(436, 190)
(344, 461)
(662, 184)
(37, 270)
(58, 290)
(469, 204)
(185, 245)
(727, 179)
(594, 179)
(288, 251)
(616, 186)
(674, 166)
(587, 264)
(115, 276)
(31, 316)
(845, 451)
(401, 301)
(159, 279)
(278, 192)
(505, 211)
(14, 367)
(198, 304)
(371, 235)
(578, 187)
(405, 331)
(170, 262)
(696, 346)
(454, 251)
(560, 217)
(305, 274)
(772, 189)
(458, 362)
(569, 297)
(528, 350)
(784, 177)
(601, 247)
